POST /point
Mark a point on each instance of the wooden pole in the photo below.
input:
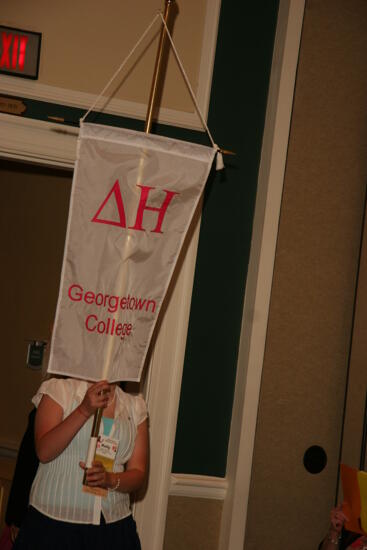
(157, 70)
(147, 129)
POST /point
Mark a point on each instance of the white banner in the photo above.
(132, 201)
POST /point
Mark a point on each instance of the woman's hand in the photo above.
(97, 396)
(96, 476)
(337, 519)
(53, 432)
(134, 475)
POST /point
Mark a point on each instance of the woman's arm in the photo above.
(332, 539)
(133, 478)
(52, 433)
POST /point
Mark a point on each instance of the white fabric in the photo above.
(57, 487)
(132, 202)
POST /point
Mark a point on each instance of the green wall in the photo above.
(236, 118)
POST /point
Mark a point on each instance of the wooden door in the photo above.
(34, 209)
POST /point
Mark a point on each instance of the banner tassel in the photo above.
(219, 162)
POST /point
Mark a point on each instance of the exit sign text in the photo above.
(19, 52)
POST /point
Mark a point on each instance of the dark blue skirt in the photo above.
(39, 532)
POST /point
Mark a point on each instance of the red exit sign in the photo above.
(19, 52)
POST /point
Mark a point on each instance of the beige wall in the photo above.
(83, 46)
(310, 323)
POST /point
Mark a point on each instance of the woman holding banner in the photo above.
(65, 514)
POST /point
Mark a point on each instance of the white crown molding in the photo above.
(73, 98)
(42, 92)
(195, 486)
(37, 141)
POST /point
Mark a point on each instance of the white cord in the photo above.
(219, 160)
(186, 78)
(121, 66)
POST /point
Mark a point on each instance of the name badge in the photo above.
(106, 451)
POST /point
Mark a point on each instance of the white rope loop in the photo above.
(219, 160)
(121, 66)
(186, 78)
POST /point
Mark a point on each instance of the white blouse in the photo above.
(57, 487)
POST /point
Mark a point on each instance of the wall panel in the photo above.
(310, 322)
(192, 523)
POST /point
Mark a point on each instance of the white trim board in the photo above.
(37, 141)
(260, 273)
(195, 486)
(32, 89)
